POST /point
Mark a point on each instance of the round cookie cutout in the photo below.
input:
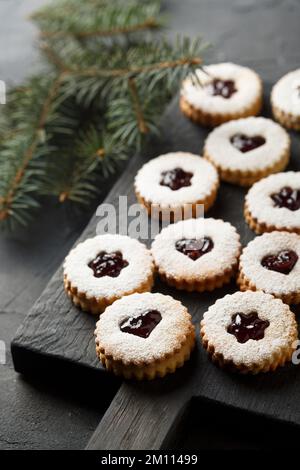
(285, 99)
(271, 263)
(273, 203)
(105, 268)
(170, 183)
(249, 332)
(144, 336)
(197, 254)
(246, 150)
(221, 92)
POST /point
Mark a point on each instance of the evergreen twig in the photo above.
(150, 23)
(117, 73)
(106, 84)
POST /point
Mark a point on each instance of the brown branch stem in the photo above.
(131, 71)
(137, 106)
(53, 57)
(113, 73)
(150, 23)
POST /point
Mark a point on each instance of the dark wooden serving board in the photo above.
(145, 415)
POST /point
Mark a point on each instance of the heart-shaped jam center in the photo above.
(176, 179)
(287, 197)
(223, 88)
(247, 326)
(194, 248)
(283, 263)
(142, 325)
(245, 143)
(108, 264)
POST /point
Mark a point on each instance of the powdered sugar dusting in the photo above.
(261, 205)
(247, 83)
(270, 281)
(223, 255)
(277, 336)
(140, 266)
(164, 338)
(204, 180)
(222, 152)
(286, 93)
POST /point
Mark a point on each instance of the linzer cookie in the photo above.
(273, 203)
(285, 99)
(173, 181)
(105, 268)
(246, 150)
(270, 263)
(144, 336)
(197, 254)
(221, 92)
(249, 332)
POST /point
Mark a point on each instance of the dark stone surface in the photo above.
(56, 329)
(50, 414)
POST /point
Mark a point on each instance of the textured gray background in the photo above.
(259, 33)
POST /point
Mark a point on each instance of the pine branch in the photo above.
(98, 18)
(54, 58)
(26, 145)
(146, 60)
(117, 73)
(95, 156)
(132, 71)
(17, 204)
(106, 84)
(150, 23)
